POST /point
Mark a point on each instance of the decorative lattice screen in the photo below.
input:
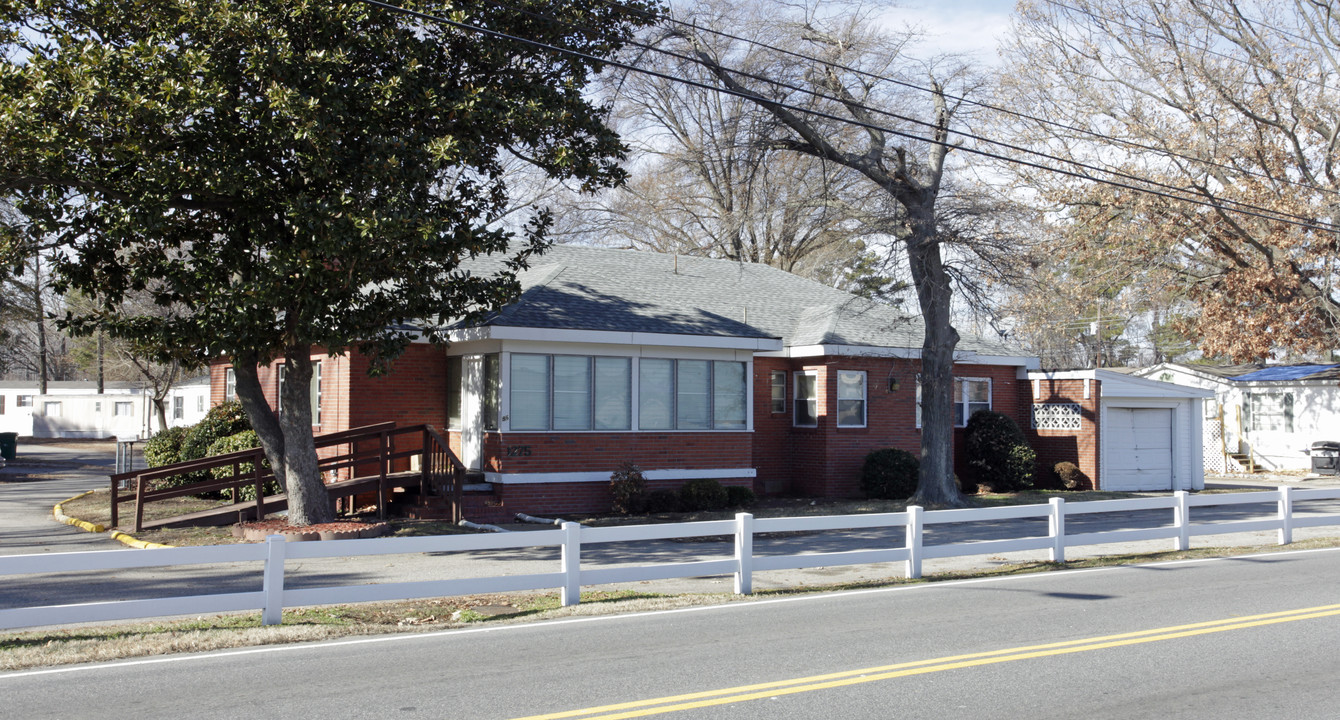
(1056, 416)
(1213, 447)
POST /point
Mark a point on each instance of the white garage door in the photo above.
(1138, 449)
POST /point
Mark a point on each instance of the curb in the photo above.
(58, 512)
(129, 541)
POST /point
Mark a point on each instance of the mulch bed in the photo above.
(344, 530)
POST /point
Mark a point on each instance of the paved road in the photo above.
(1205, 639)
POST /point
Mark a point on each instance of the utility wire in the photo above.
(978, 103)
(1253, 212)
(1246, 207)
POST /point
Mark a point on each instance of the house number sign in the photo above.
(518, 451)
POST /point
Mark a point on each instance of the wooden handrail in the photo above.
(435, 450)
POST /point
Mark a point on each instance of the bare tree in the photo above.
(1230, 110)
(831, 106)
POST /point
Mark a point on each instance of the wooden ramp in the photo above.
(246, 511)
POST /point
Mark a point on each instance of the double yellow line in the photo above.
(745, 693)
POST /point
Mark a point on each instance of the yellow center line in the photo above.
(744, 693)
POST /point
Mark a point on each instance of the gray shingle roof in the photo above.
(586, 288)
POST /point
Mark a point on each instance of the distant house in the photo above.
(690, 368)
(75, 409)
(1263, 416)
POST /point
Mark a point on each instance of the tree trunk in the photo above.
(287, 439)
(40, 311)
(160, 410)
(308, 501)
(936, 486)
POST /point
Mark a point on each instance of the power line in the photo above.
(978, 103)
(1249, 208)
(1254, 211)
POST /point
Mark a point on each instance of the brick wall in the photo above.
(1079, 447)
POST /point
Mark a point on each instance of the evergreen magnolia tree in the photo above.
(288, 175)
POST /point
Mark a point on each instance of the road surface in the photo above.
(1245, 637)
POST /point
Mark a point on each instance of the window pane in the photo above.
(230, 385)
(728, 393)
(778, 391)
(455, 378)
(572, 393)
(492, 391)
(314, 391)
(807, 399)
(656, 400)
(51, 409)
(530, 392)
(851, 398)
(691, 401)
(614, 393)
(979, 391)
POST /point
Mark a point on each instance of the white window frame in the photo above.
(118, 406)
(313, 391)
(797, 399)
(50, 405)
(595, 392)
(960, 421)
(773, 387)
(178, 407)
(24, 401)
(864, 399)
(229, 385)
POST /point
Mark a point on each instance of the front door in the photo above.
(472, 410)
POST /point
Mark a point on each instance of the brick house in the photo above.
(690, 368)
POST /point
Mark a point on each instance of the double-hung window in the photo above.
(313, 391)
(571, 392)
(970, 396)
(807, 398)
(778, 386)
(851, 398)
(691, 395)
(178, 407)
(230, 385)
(1269, 412)
(123, 409)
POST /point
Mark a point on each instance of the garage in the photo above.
(1125, 433)
(1142, 440)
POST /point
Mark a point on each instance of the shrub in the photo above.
(998, 454)
(164, 448)
(703, 494)
(629, 489)
(221, 421)
(890, 474)
(244, 440)
(662, 501)
(1071, 477)
(739, 497)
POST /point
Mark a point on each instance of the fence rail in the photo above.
(571, 537)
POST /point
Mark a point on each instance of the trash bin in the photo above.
(1326, 457)
(9, 445)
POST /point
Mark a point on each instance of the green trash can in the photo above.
(9, 445)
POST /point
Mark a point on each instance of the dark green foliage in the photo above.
(628, 488)
(740, 497)
(998, 454)
(164, 448)
(1071, 477)
(244, 440)
(221, 421)
(702, 494)
(890, 474)
(662, 501)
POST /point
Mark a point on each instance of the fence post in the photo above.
(1056, 525)
(914, 541)
(272, 587)
(572, 563)
(1181, 519)
(744, 553)
(1286, 514)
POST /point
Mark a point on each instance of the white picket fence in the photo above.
(571, 538)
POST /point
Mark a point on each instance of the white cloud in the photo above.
(971, 27)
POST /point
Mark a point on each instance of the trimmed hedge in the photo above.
(890, 474)
(703, 494)
(999, 456)
(164, 448)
